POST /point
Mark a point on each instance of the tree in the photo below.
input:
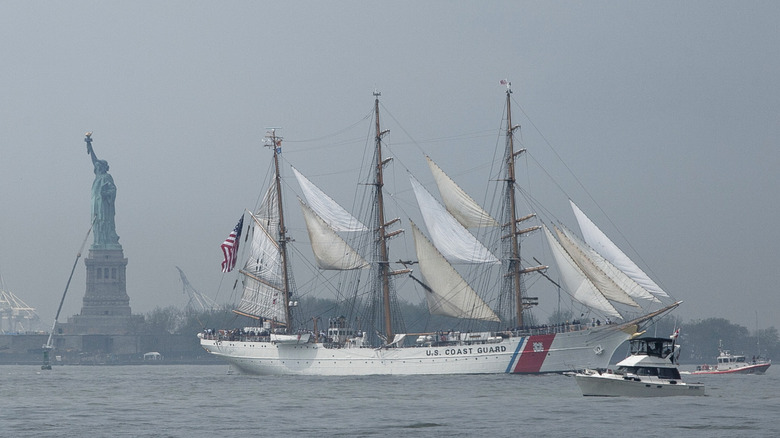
(164, 320)
(704, 337)
(767, 343)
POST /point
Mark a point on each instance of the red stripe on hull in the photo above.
(752, 369)
(534, 354)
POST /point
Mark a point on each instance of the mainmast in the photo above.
(515, 270)
(383, 265)
(276, 144)
(381, 231)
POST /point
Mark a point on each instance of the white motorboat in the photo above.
(650, 370)
(729, 363)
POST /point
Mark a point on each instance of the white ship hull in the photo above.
(550, 353)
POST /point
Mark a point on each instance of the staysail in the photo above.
(458, 202)
(577, 282)
(620, 279)
(329, 210)
(588, 263)
(330, 251)
(604, 246)
(452, 240)
(449, 293)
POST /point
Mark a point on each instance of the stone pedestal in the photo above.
(105, 309)
(106, 293)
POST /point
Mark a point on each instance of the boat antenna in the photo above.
(48, 347)
(758, 345)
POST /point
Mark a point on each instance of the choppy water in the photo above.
(205, 401)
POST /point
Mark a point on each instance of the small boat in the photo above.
(734, 364)
(650, 370)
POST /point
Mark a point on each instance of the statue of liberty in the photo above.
(103, 203)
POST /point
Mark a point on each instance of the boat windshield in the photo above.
(660, 372)
(657, 347)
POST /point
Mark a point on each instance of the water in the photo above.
(205, 401)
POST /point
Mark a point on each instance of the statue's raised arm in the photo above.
(90, 151)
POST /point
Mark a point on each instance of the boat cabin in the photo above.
(651, 349)
(725, 358)
(655, 347)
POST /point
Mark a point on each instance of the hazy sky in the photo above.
(667, 112)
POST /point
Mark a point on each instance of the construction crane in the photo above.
(15, 315)
(49, 345)
(197, 302)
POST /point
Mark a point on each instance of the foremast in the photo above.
(514, 269)
(275, 143)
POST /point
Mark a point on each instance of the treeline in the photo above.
(699, 338)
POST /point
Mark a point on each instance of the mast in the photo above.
(514, 263)
(515, 270)
(276, 144)
(383, 265)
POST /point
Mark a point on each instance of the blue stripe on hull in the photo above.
(515, 355)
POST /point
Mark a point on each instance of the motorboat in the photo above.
(650, 370)
(734, 364)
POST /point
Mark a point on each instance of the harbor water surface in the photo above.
(207, 401)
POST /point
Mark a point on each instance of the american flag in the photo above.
(230, 247)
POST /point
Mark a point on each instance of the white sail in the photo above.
(329, 210)
(263, 281)
(452, 240)
(458, 202)
(601, 243)
(268, 212)
(621, 280)
(578, 284)
(590, 267)
(450, 295)
(330, 251)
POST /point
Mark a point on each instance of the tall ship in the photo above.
(491, 327)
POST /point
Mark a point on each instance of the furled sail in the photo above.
(458, 202)
(326, 208)
(330, 250)
(450, 295)
(587, 261)
(454, 241)
(576, 281)
(263, 281)
(601, 243)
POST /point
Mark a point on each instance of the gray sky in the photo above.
(668, 113)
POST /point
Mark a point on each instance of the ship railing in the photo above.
(548, 329)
